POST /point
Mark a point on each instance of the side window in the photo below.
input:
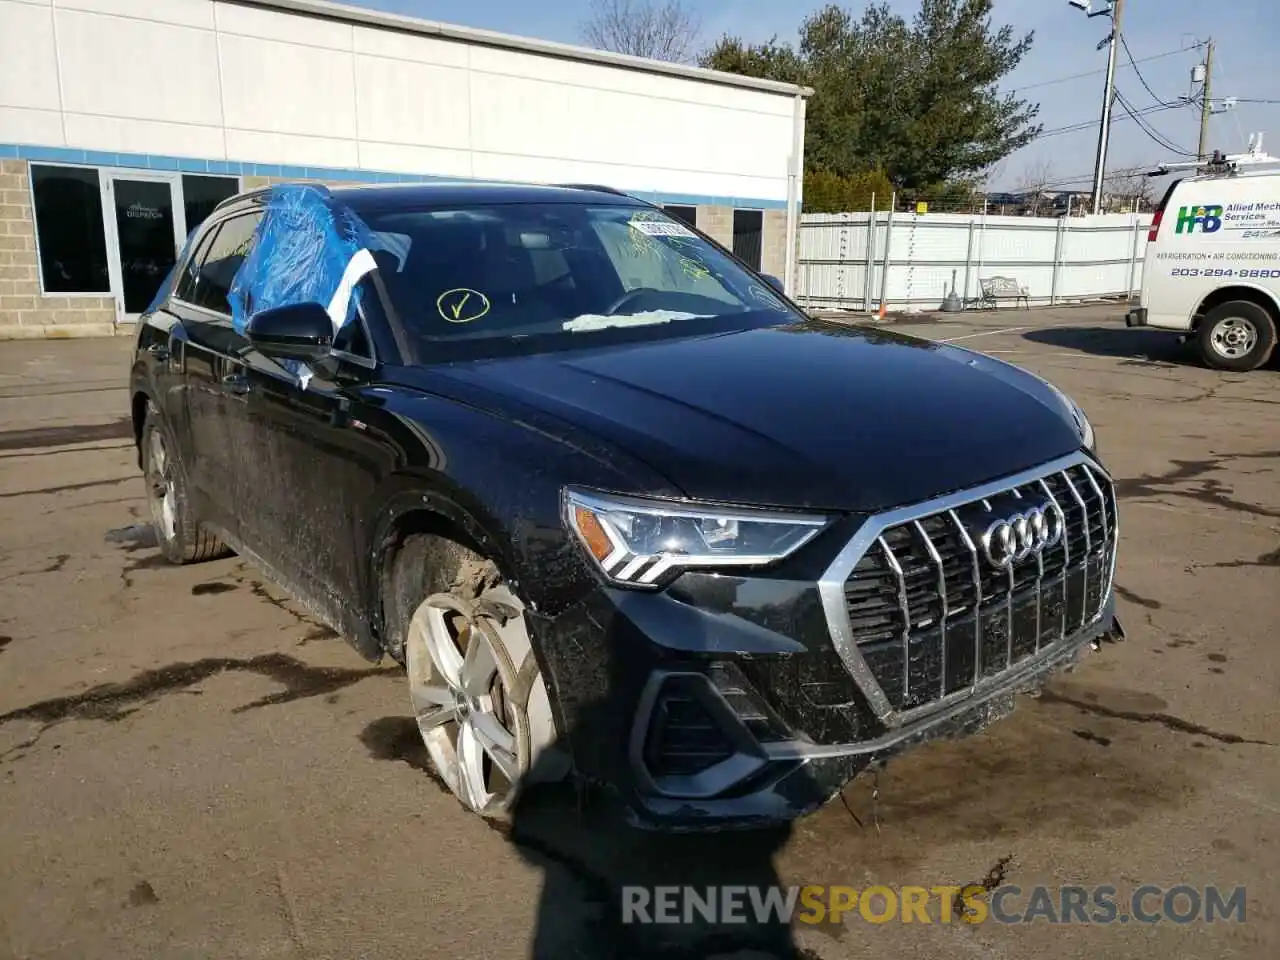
(185, 289)
(354, 338)
(217, 268)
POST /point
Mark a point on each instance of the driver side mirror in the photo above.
(296, 331)
(774, 282)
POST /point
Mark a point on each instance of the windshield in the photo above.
(566, 270)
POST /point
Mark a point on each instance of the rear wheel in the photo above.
(178, 534)
(1239, 336)
(478, 697)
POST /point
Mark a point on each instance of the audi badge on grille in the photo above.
(1021, 536)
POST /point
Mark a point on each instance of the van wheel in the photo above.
(1238, 335)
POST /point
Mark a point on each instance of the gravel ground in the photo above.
(190, 767)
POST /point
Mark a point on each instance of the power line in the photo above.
(1143, 80)
(1094, 73)
(1149, 130)
(1088, 177)
(1092, 124)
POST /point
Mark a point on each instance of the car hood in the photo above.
(809, 415)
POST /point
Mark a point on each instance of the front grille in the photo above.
(931, 616)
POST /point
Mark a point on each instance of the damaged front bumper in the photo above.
(711, 737)
(725, 700)
(783, 780)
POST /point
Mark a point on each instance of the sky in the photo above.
(1243, 31)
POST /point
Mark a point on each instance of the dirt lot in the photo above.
(189, 768)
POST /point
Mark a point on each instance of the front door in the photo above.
(145, 232)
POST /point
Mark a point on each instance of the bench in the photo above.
(995, 289)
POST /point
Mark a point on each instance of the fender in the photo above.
(1267, 294)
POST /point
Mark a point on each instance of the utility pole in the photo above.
(1108, 97)
(1205, 101)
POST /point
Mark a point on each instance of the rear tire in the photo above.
(178, 534)
(1237, 336)
(477, 694)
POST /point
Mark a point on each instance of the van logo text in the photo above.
(1209, 219)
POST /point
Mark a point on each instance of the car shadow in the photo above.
(1143, 347)
(588, 852)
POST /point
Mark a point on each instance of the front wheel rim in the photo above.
(460, 678)
(1234, 338)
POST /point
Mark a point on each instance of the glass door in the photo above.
(145, 233)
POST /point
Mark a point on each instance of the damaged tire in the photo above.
(478, 696)
(178, 534)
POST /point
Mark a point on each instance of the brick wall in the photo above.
(717, 223)
(24, 311)
(773, 253)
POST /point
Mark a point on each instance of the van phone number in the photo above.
(1227, 272)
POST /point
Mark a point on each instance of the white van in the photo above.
(1213, 266)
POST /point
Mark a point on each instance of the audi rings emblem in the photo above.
(1023, 535)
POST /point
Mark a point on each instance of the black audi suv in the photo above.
(618, 506)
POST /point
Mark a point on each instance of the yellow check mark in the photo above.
(457, 307)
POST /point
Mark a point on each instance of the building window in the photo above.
(200, 195)
(748, 230)
(688, 214)
(71, 238)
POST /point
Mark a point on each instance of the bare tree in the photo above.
(1129, 190)
(666, 30)
(1036, 179)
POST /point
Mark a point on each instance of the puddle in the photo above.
(62, 436)
(1140, 600)
(56, 563)
(213, 588)
(114, 702)
(137, 536)
(143, 895)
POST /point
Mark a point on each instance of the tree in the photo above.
(642, 28)
(1129, 190)
(831, 193)
(1035, 181)
(917, 100)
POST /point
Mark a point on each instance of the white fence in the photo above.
(843, 261)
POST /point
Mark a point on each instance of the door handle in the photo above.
(236, 383)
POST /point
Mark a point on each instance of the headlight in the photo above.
(637, 542)
(1081, 421)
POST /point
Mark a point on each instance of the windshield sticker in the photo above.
(694, 269)
(462, 305)
(661, 228)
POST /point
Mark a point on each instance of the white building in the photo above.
(123, 122)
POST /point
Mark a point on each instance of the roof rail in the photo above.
(594, 187)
